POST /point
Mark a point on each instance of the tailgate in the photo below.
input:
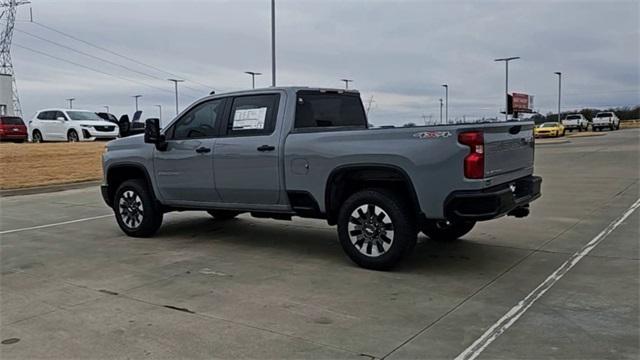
(508, 147)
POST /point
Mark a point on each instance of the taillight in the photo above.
(474, 162)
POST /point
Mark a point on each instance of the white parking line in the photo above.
(517, 311)
(56, 224)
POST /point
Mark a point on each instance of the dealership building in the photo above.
(6, 101)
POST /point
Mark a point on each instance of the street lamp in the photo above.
(136, 97)
(70, 100)
(440, 111)
(346, 83)
(159, 113)
(506, 84)
(273, 43)
(253, 77)
(446, 102)
(559, 91)
(175, 82)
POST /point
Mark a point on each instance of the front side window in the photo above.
(321, 110)
(199, 122)
(253, 115)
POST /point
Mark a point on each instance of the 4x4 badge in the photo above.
(432, 134)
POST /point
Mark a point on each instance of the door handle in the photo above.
(203, 150)
(266, 148)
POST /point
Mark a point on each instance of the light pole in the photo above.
(175, 82)
(253, 77)
(106, 107)
(440, 111)
(273, 43)
(136, 97)
(346, 83)
(159, 113)
(446, 102)
(70, 100)
(559, 91)
(506, 84)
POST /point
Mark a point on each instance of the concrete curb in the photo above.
(48, 188)
(552, 142)
(581, 135)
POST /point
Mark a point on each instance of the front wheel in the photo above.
(136, 211)
(72, 136)
(376, 228)
(444, 230)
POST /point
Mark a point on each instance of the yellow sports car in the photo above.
(552, 129)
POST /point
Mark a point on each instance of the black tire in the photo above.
(36, 137)
(441, 230)
(618, 126)
(223, 214)
(72, 136)
(378, 241)
(133, 198)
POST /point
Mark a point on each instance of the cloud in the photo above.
(399, 52)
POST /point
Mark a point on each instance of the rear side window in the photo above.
(322, 110)
(10, 120)
(253, 115)
(46, 115)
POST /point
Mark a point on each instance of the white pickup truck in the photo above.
(575, 122)
(605, 120)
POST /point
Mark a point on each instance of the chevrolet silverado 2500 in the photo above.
(295, 151)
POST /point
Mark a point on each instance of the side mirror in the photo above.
(152, 134)
(60, 118)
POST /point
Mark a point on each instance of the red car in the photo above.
(13, 129)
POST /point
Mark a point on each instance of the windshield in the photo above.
(83, 115)
(601, 115)
(548, 125)
(573, 117)
(11, 120)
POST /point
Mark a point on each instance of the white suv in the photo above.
(70, 125)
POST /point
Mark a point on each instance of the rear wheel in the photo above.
(223, 214)
(136, 211)
(376, 228)
(72, 136)
(444, 230)
(36, 137)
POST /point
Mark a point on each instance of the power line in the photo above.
(115, 53)
(90, 68)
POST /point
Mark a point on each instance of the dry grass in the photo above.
(27, 165)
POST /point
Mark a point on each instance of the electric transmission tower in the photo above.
(8, 15)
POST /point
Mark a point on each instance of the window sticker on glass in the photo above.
(249, 119)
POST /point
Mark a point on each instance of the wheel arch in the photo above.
(118, 173)
(344, 180)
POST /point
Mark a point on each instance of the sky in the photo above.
(398, 53)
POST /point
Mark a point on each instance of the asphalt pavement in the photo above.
(73, 286)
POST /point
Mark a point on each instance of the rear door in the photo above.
(246, 162)
(184, 170)
(508, 147)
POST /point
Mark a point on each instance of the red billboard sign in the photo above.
(521, 102)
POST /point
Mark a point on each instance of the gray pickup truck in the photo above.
(296, 151)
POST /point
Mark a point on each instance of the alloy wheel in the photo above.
(371, 230)
(131, 209)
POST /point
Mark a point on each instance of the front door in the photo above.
(184, 170)
(246, 155)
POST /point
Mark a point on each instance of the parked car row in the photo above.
(602, 120)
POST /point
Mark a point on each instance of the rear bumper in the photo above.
(13, 136)
(492, 202)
